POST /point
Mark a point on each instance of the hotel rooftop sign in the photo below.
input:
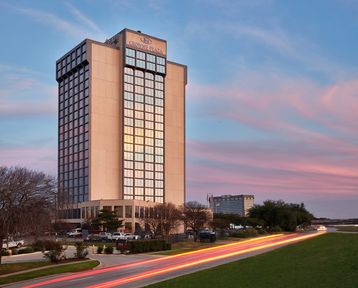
(146, 43)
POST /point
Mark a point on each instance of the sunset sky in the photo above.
(272, 96)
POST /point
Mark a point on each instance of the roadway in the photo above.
(144, 272)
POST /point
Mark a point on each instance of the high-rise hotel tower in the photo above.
(121, 141)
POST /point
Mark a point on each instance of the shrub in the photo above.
(276, 229)
(99, 249)
(5, 252)
(56, 252)
(109, 249)
(14, 251)
(261, 231)
(247, 233)
(141, 246)
(81, 250)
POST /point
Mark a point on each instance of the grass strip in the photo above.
(347, 228)
(50, 271)
(16, 267)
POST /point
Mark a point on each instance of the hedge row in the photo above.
(247, 233)
(140, 246)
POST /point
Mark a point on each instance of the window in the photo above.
(128, 173)
(149, 75)
(130, 52)
(130, 61)
(119, 211)
(151, 58)
(150, 66)
(128, 211)
(140, 55)
(140, 63)
(161, 69)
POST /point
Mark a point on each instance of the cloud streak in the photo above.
(308, 148)
(40, 158)
(24, 94)
(81, 27)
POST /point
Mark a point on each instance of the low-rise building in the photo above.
(231, 204)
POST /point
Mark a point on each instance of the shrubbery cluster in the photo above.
(247, 233)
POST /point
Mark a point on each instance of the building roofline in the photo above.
(143, 34)
(234, 195)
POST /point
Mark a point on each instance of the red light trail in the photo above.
(189, 259)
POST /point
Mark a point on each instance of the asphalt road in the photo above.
(144, 272)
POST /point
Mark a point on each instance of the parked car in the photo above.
(6, 244)
(206, 235)
(93, 238)
(77, 232)
(319, 227)
(105, 236)
(118, 235)
(148, 236)
(131, 236)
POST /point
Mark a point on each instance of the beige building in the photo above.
(121, 128)
(231, 204)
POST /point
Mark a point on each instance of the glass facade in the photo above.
(143, 126)
(73, 84)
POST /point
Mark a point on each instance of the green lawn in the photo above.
(347, 228)
(50, 271)
(16, 267)
(330, 260)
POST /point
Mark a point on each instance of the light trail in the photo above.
(140, 276)
(119, 267)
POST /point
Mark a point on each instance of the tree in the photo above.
(163, 219)
(24, 194)
(107, 220)
(152, 223)
(196, 216)
(220, 223)
(287, 216)
(170, 217)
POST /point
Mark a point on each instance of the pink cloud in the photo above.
(310, 138)
(41, 159)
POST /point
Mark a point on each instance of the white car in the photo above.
(321, 228)
(74, 233)
(12, 243)
(118, 235)
(105, 236)
(132, 236)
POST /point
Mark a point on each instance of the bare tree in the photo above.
(170, 217)
(23, 195)
(164, 219)
(196, 216)
(152, 223)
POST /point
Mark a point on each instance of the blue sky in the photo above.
(271, 102)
